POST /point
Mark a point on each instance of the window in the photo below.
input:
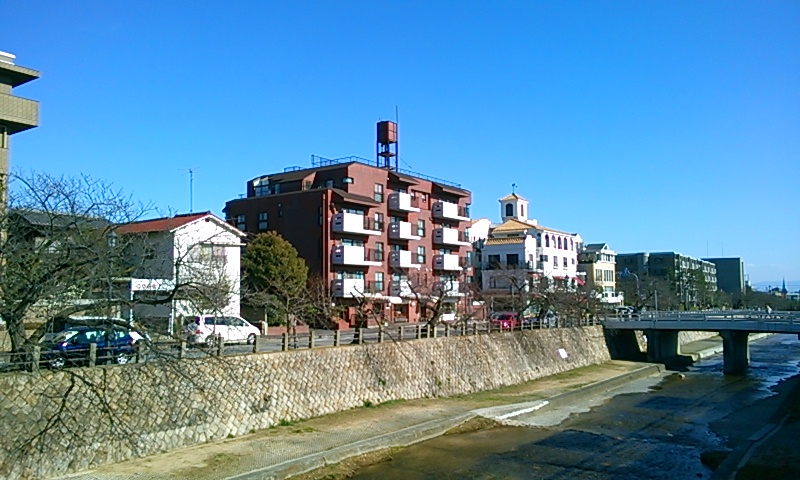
(263, 221)
(420, 228)
(241, 222)
(347, 180)
(559, 243)
(509, 210)
(356, 211)
(329, 183)
(547, 240)
(494, 260)
(544, 258)
(555, 262)
(396, 248)
(420, 255)
(378, 281)
(260, 186)
(378, 196)
(378, 221)
(352, 242)
(379, 252)
(565, 262)
(522, 210)
(512, 259)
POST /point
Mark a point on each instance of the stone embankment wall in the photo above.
(57, 422)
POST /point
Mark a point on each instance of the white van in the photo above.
(207, 328)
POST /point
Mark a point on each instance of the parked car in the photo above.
(207, 328)
(505, 320)
(58, 325)
(71, 347)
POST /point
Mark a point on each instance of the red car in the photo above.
(505, 320)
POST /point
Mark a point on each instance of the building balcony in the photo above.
(18, 113)
(400, 288)
(448, 262)
(345, 222)
(449, 288)
(402, 231)
(402, 259)
(355, 255)
(450, 211)
(403, 202)
(450, 236)
(347, 287)
(529, 266)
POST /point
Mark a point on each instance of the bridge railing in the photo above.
(710, 315)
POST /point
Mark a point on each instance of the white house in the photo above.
(196, 255)
(520, 245)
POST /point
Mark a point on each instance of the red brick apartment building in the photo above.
(372, 232)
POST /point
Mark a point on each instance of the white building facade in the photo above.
(519, 246)
(198, 256)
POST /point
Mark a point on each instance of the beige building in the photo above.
(16, 114)
(598, 264)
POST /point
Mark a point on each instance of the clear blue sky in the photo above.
(649, 125)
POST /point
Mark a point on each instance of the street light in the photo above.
(627, 273)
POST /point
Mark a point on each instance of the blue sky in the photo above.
(651, 125)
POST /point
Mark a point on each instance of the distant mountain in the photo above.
(791, 285)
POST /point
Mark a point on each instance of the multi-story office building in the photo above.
(16, 114)
(730, 274)
(598, 264)
(688, 276)
(370, 230)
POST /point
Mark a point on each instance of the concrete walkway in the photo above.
(292, 449)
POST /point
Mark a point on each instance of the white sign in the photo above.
(151, 285)
(562, 353)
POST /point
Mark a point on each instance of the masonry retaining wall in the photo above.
(57, 422)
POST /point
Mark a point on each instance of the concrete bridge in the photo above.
(661, 330)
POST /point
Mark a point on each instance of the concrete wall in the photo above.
(156, 407)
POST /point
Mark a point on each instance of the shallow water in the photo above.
(650, 429)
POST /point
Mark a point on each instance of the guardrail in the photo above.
(154, 351)
(711, 315)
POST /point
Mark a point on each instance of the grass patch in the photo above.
(285, 423)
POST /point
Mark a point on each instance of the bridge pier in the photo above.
(736, 351)
(662, 346)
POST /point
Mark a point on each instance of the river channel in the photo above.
(654, 428)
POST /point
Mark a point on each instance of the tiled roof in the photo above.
(165, 224)
(512, 225)
(505, 241)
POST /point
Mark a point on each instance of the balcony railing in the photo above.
(347, 287)
(403, 259)
(530, 265)
(400, 288)
(447, 262)
(450, 211)
(401, 231)
(403, 202)
(356, 255)
(346, 222)
(450, 236)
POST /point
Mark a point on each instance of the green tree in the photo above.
(275, 278)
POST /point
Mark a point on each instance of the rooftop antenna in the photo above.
(191, 189)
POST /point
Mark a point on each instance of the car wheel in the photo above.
(122, 358)
(211, 341)
(251, 339)
(57, 362)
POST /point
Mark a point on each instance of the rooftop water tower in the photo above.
(387, 144)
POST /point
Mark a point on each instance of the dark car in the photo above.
(72, 346)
